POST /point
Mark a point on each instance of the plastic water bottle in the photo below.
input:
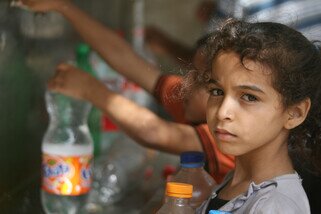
(178, 199)
(192, 172)
(117, 172)
(67, 150)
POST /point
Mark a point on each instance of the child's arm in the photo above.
(115, 50)
(138, 122)
(162, 44)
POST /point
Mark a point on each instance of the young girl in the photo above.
(264, 85)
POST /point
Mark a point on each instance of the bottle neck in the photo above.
(66, 111)
(192, 165)
(178, 201)
(191, 168)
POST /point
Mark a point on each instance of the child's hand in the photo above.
(72, 81)
(40, 5)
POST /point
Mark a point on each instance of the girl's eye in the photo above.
(249, 98)
(216, 92)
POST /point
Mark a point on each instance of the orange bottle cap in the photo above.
(179, 190)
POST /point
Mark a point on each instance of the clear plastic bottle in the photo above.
(192, 172)
(117, 172)
(67, 149)
(178, 199)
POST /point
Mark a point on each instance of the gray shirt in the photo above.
(283, 194)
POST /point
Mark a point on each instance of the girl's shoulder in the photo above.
(283, 194)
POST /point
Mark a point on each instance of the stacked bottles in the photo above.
(82, 61)
(192, 172)
(67, 154)
(178, 199)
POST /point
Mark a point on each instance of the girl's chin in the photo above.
(225, 149)
(228, 148)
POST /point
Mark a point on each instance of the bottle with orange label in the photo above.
(67, 155)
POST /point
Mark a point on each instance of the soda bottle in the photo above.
(67, 150)
(192, 172)
(94, 118)
(178, 199)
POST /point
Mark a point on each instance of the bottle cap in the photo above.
(82, 48)
(192, 159)
(108, 125)
(179, 190)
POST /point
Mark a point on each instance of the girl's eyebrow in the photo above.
(246, 87)
(251, 87)
(213, 81)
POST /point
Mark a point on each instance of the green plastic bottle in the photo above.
(94, 118)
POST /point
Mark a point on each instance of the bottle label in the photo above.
(68, 176)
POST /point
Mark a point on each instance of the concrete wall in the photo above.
(176, 17)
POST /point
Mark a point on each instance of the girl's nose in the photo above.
(225, 111)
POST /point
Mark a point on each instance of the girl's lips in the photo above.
(224, 135)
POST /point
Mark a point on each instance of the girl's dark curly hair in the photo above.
(295, 63)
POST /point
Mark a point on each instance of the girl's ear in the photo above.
(297, 113)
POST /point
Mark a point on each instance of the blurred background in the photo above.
(31, 45)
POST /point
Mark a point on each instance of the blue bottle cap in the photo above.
(192, 159)
(218, 212)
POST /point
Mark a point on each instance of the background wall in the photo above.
(176, 17)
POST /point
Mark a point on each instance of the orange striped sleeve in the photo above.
(167, 93)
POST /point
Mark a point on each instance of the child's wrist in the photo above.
(87, 93)
(94, 93)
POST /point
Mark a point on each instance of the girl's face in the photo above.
(244, 112)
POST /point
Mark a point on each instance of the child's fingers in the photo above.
(64, 67)
(62, 71)
(55, 85)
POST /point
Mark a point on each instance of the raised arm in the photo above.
(138, 122)
(162, 44)
(112, 48)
